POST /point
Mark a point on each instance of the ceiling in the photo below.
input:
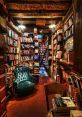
(37, 13)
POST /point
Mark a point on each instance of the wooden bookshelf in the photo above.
(2, 84)
(27, 51)
(63, 66)
(13, 49)
(3, 48)
(36, 56)
(12, 57)
(57, 49)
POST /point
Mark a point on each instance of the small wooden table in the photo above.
(75, 113)
(51, 115)
(63, 111)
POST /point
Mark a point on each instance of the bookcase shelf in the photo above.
(2, 84)
(63, 65)
(12, 57)
(36, 57)
(27, 51)
(3, 48)
(65, 39)
(63, 44)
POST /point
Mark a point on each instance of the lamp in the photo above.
(52, 26)
(21, 27)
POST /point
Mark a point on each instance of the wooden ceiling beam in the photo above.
(32, 26)
(31, 29)
(12, 11)
(37, 17)
(33, 21)
(41, 2)
(26, 1)
(38, 6)
(25, 15)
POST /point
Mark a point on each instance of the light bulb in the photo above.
(52, 26)
(22, 27)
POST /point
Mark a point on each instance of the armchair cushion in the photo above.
(25, 87)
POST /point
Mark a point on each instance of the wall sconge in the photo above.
(52, 26)
(21, 27)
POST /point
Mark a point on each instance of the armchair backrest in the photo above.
(21, 73)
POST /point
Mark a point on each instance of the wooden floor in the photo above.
(30, 106)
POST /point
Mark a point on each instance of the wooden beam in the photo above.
(41, 2)
(33, 21)
(25, 22)
(36, 0)
(31, 29)
(12, 26)
(13, 11)
(25, 15)
(13, 1)
(38, 17)
(38, 6)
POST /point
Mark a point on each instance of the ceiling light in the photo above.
(52, 26)
(22, 27)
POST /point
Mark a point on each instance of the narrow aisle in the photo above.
(33, 106)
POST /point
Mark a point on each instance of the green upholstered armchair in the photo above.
(24, 82)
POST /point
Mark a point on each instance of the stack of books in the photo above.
(63, 105)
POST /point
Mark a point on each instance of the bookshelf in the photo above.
(13, 47)
(57, 50)
(27, 51)
(2, 84)
(30, 52)
(12, 57)
(36, 56)
(63, 44)
(63, 58)
(3, 48)
(68, 32)
(43, 50)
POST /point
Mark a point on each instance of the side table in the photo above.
(75, 113)
(63, 111)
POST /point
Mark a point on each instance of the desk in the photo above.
(63, 111)
(51, 115)
(76, 113)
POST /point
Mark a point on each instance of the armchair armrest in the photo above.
(33, 79)
(15, 84)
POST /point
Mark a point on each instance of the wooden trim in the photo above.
(3, 99)
(68, 14)
(13, 27)
(2, 88)
(39, 1)
(39, 6)
(4, 114)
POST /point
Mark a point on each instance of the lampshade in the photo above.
(52, 26)
(22, 27)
